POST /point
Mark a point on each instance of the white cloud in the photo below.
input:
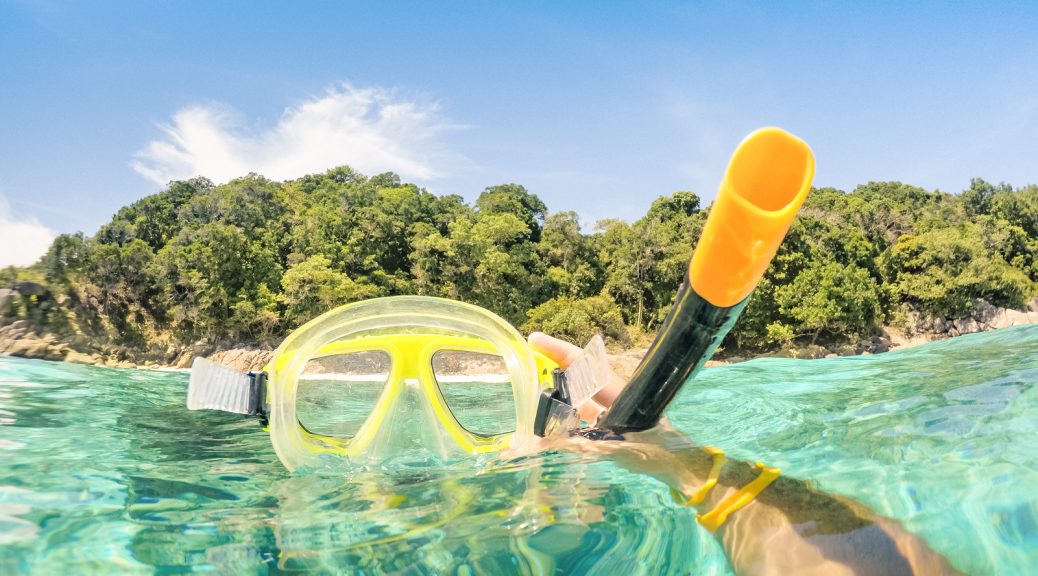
(370, 129)
(22, 239)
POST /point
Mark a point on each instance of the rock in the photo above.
(1016, 317)
(808, 352)
(27, 289)
(80, 358)
(242, 359)
(183, 361)
(984, 312)
(30, 348)
(832, 355)
(8, 298)
(880, 344)
(117, 363)
(15, 333)
(23, 325)
(963, 325)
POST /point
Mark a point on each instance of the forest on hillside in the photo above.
(247, 261)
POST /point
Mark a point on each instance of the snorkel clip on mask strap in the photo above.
(258, 396)
(578, 383)
(555, 409)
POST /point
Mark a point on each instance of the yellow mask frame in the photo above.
(410, 330)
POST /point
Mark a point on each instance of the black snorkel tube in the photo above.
(767, 180)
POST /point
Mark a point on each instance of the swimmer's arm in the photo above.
(792, 529)
(789, 528)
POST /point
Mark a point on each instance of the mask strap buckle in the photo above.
(554, 411)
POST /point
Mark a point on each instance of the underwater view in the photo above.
(104, 470)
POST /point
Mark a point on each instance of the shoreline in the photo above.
(20, 339)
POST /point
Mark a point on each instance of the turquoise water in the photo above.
(104, 471)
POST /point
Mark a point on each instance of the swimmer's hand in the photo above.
(563, 353)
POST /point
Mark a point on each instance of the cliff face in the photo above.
(984, 317)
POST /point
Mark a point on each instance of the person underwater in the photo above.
(402, 367)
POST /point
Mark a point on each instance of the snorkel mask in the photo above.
(404, 374)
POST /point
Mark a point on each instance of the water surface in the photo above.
(103, 470)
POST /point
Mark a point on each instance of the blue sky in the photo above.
(597, 107)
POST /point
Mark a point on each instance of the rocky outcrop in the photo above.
(919, 329)
(8, 299)
(22, 337)
(19, 338)
(242, 359)
(983, 317)
(29, 289)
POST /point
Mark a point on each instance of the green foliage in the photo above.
(1019, 208)
(944, 271)
(577, 320)
(977, 199)
(258, 318)
(249, 260)
(515, 200)
(779, 333)
(573, 266)
(66, 254)
(313, 287)
(832, 298)
(647, 261)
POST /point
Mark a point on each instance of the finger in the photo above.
(607, 395)
(589, 411)
(562, 353)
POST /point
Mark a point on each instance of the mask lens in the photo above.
(477, 389)
(339, 391)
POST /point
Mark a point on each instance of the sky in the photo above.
(597, 107)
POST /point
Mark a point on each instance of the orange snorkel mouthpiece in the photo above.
(766, 182)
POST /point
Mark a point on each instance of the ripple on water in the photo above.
(104, 471)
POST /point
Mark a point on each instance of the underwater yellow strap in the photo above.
(711, 480)
(713, 519)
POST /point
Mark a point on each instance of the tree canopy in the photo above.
(247, 261)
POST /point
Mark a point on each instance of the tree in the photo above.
(516, 200)
(944, 271)
(832, 298)
(64, 258)
(256, 317)
(1019, 208)
(203, 271)
(571, 257)
(577, 320)
(312, 287)
(977, 199)
(646, 262)
(204, 262)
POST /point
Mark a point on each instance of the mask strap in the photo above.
(216, 387)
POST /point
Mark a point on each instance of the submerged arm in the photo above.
(789, 528)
